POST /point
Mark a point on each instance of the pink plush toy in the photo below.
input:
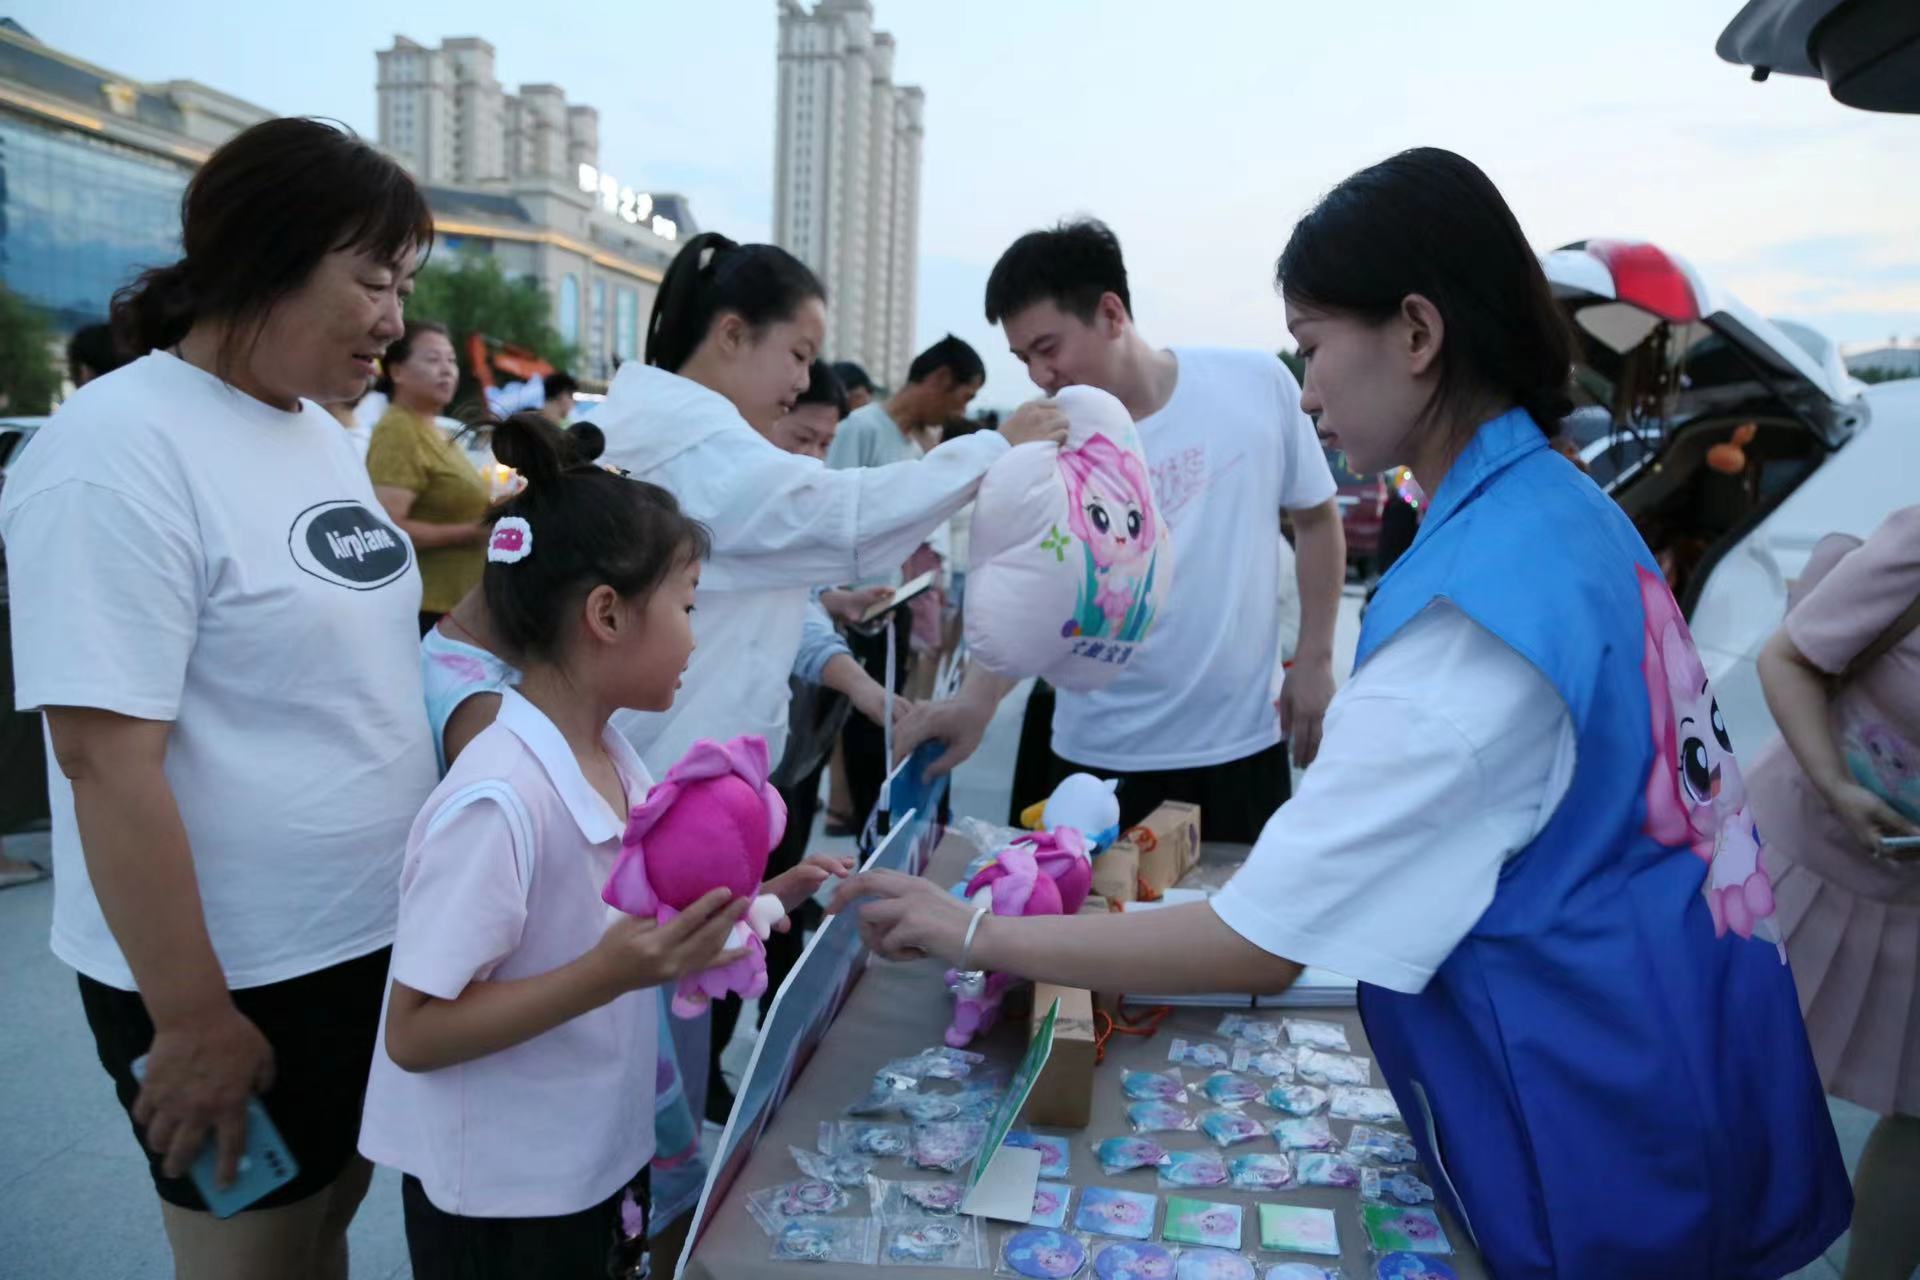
(1045, 874)
(710, 823)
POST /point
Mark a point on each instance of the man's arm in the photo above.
(960, 721)
(1320, 565)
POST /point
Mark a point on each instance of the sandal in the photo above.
(839, 825)
(30, 873)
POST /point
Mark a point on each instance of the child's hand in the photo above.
(635, 953)
(795, 886)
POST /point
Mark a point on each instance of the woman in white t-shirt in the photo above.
(221, 629)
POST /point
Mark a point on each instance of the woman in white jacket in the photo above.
(733, 333)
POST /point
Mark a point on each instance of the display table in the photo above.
(898, 1009)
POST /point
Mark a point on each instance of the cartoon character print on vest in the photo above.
(1071, 558)
(1696, 797)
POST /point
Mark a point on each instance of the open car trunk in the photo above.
(1699, 416)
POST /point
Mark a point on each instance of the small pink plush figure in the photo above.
(1045, 874)
(710, 823)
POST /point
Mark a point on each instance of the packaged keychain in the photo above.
(774, 1207)
(1379, 1186)
(1153, 1086)
(1054, 1152)
(847, 1170)
(825, 1240)
(1295, 1099)
(1274, 1064)
(930, 1108)
(1374, 1106)
(1050, 1204)
(1159, 1117)
(1231, 1128)
(1198, 1053)
(1321, 1067)
(1380, 1146)
(1394, 1229)
(1133, 1262)
(1317, 1035)
(1118, 1155)
(1324, 1169)
(884, 1094)
(907, 1200)
(953, 1243)
(1303, 1271)
(938, 1063)
(1215, 1264)
(1204, 1222)
(1292, 1228)
(1107, 1212)
(1042, 1253)
(1224, 1088)
(1260, 1172)
(1247, 1029)
(863, 1138)
(1412, 1266)
(1310, 1133)
(1193, 1169)
(946, 1145)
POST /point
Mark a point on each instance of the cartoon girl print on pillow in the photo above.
(1110, 509)
(1696, 797)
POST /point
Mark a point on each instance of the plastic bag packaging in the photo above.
(946, 1145)
(1369, 1145)
(845, 1170)
(1153, 1086)
(1193, 1169)
(937, 1063)
(1231, 1128)
(1398, 1229)
(1118, 1260)
(1293, 1228)
(1159, 1117)
(1055, 1152)
(1203, 1054)
(1118, 1155)
(1042, 1253)
(1224, 1088)
(1380, 1186)
(1273, 1064)
(1204, 1222)
(863, 1138)
(774, 1207)
(1303, 1271)
(1304, 1133)
(1295, 1099)
(1050, 1204)
(1247, 1029)
(1317, 1035)
(903, 1200)
(1373, 1106)
(951, 1243)
(884, 1095)
(1326, 1169)
(930, 1108)
(1262, 1172)
(1129, 1215)
(1322, 1067)
(841, 1240)
(1215, 1264)
(1412, 1266)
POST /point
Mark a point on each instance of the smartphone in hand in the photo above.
(265, 1163)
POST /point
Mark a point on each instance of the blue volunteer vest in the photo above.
(1605, 1077)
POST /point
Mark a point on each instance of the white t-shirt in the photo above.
(1445, 755)
(503, 876)
(782, 524)
(180, 551)
(1229, 450)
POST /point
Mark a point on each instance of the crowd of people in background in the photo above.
(342, 748)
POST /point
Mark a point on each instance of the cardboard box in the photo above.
(1116, 873)
(1063, 1096)
(1167, 845)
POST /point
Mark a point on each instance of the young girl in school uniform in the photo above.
(513, 1082)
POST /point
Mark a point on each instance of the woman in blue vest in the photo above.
(1526, 834)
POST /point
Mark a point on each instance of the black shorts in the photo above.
(321, 1026)
(600, 1243)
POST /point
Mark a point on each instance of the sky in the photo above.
(1198, 131)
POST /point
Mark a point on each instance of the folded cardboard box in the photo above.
(1063, 1095)
(1116, 873)
(1167, 845)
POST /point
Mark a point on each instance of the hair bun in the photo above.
(532, 446)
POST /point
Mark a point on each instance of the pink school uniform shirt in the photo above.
(502, 881)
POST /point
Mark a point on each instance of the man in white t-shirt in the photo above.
(1191, 718)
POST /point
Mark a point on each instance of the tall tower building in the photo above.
(446, 116)
(847, 178)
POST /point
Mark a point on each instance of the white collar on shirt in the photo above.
(596, 819)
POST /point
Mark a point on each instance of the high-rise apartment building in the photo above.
(446, 115)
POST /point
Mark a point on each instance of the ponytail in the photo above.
(154, 312)
(711, 275)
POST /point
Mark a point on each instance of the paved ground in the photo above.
(78, 1202)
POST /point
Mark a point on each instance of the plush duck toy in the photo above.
(710, 823)
(1083, 802)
